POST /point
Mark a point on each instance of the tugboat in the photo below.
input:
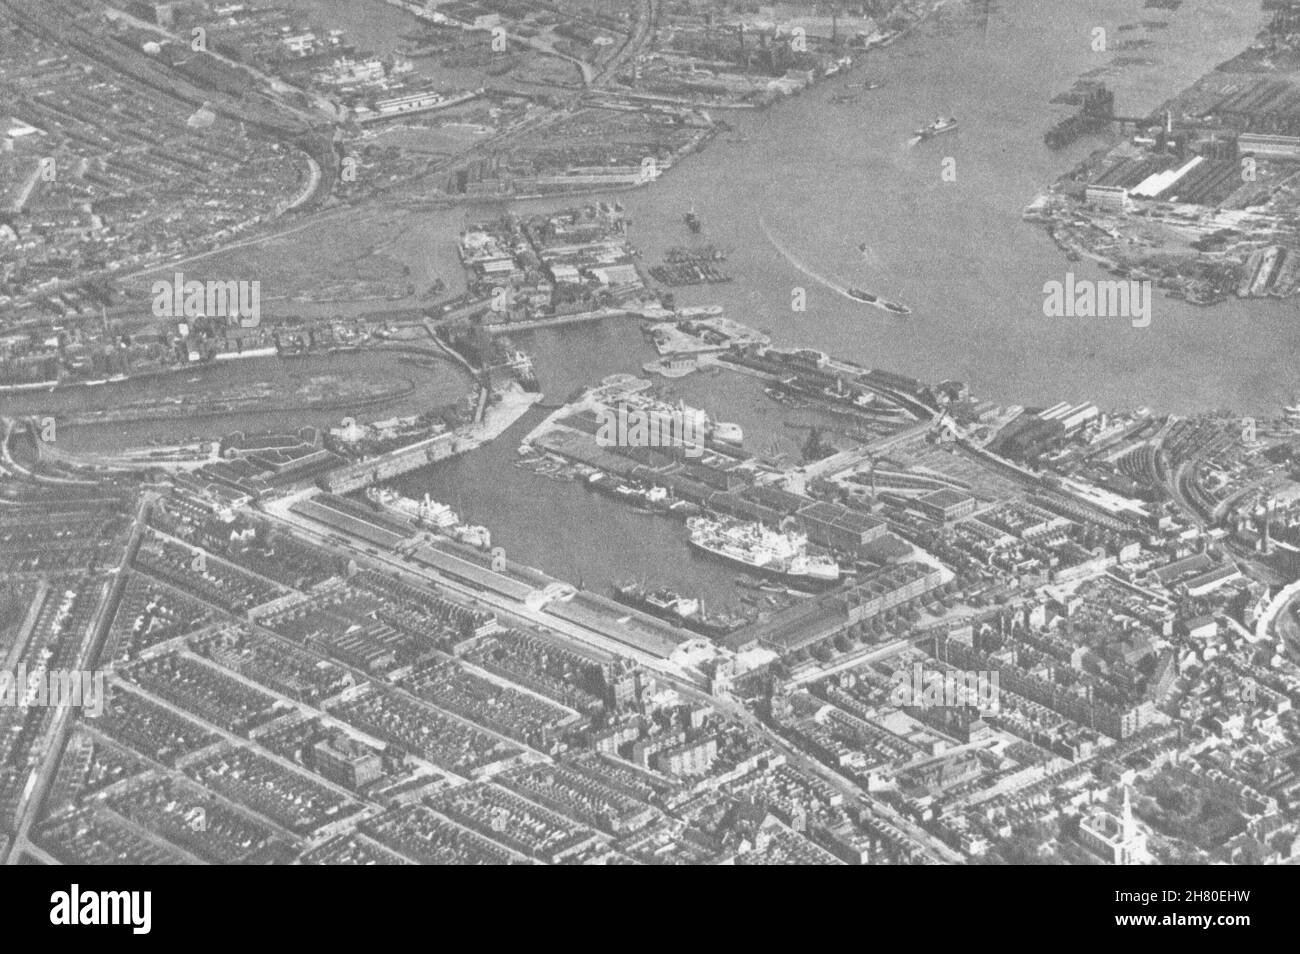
(693, 221)
(860, 295)
(940, 125)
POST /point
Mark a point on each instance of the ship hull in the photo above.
(810, 584)
(695, 623)
(929, 132)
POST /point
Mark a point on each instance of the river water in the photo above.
(799, 187)
(822, 178)
(813, 180)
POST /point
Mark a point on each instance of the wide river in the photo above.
(797, 189)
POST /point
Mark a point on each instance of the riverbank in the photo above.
(1206, 208)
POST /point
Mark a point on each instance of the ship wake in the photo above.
(821, 279)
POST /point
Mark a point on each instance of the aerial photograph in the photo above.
(650, 432)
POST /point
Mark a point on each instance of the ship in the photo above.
(941, 125)
(479, 537)
(1292, 411)
(698, 311)
(693, 221)
(726, 432)
(868, 298)
(424, 513)
(1095, 114)
(676, 609)
(645, 499)
(779, 555)
(522, 367)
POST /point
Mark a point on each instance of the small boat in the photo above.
(941, 125)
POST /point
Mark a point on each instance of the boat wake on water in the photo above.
(853, 294)
(800, 266)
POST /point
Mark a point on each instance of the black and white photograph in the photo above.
(650, 432)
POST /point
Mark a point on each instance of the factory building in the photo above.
(1268, 146)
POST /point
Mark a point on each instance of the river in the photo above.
(822, 178)
(803, 185)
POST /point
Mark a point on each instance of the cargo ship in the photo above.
(941, 125)
(782, 556)
(644, 499)
(677, 609)
(693, 221)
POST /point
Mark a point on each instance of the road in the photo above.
(56, 737)
(279, 511)
(934, 849)
(851, 661)
(646, 16)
